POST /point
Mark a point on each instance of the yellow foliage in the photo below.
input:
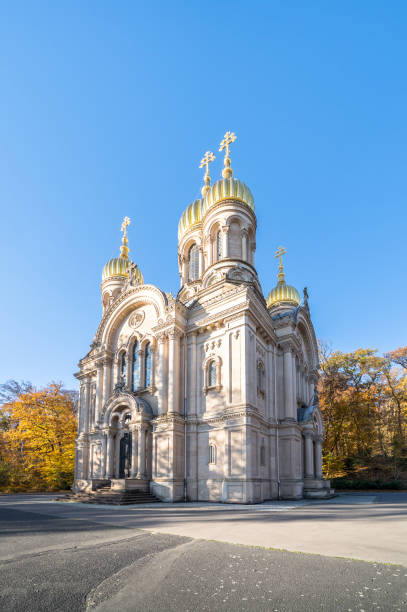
(363, 400)
(38, 445)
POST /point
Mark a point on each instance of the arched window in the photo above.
(260, 376)
(136, 367)
(212, 374)
(193, 263)
(147, 365)
(212, 453)
(235, 240)
(123, 368)
(219, 245)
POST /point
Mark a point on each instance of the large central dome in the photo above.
(228, 189)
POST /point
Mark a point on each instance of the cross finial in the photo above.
(125, 224)
(228, 138)
(205, 161)
(279, 254)
(124, 249)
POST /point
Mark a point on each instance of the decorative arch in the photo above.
(261, 377)
(183, 250)
(124, 402)
(307, 333)
(206, 365)
(121, 308)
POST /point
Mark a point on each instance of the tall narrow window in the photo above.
(219, 245)
(147, 365)
(193, 263)
(260, 376)
(212, 453)
(123, 368)
(212, 374)
(136, 367)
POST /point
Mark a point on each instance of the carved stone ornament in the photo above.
(239, 274)
(136, 319)
(119, 387)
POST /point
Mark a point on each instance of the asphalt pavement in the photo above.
(71, 557)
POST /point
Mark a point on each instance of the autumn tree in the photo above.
(363, 398)
(38, 438)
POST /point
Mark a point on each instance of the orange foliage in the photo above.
(37, 444)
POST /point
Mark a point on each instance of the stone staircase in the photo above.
(106, 495)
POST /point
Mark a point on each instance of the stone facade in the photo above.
(209, 395)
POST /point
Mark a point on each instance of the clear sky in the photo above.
(106, 109)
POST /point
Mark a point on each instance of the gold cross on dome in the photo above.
(279, 253)
(125, 224)
(226, 142)
(206, 160)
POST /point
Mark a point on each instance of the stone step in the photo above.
(105, 495)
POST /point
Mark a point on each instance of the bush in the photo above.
(359, 485)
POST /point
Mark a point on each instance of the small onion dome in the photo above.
(191, 216)
(228, 189)
(283, 294)
(118, 267)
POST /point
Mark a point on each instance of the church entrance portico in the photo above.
(127, 431)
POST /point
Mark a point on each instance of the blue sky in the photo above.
(106, 109)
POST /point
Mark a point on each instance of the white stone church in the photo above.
(209, 395)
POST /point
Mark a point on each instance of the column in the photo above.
(225, 245)
(134, 449)
(178, 392)
(141, 369)
(115, 372)
(309, 454)
(107, 365)
(99, 391)
(318, 457)
(173, 371)
(82, 407)
(161, 374)
(116, 458)
(171, 352)
(192, 378)
(109, 453)
(141, 453)
(218, 375)
(244, 244)
(184, 268)
(289, 406)
(149, 454)
(201, 262)
(294, 379)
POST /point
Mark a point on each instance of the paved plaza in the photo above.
(348, 553)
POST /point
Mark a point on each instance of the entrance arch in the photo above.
(127, 425)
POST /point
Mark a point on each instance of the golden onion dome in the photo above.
(118, 267)
(191, 216)
(283, 294)
(227, 189)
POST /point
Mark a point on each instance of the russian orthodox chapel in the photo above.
(209, 395)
